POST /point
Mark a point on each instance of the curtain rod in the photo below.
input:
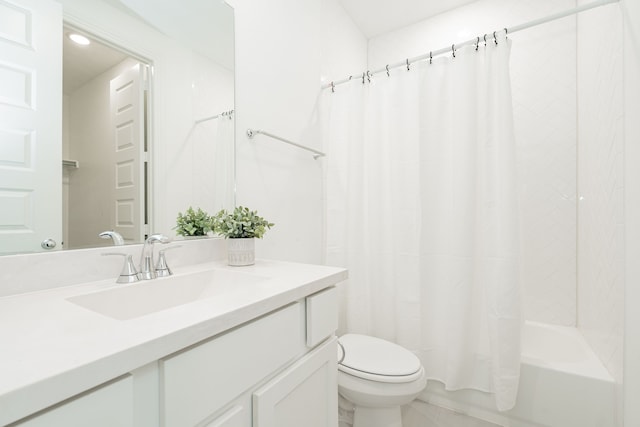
(253, 132)
(223, 114)
(473, 41)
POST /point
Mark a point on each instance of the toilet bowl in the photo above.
(377, 377)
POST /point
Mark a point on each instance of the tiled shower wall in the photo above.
(600, 184)
(543, 75)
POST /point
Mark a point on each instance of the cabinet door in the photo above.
(305, 394)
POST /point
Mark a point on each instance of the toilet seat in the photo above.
(377, 360)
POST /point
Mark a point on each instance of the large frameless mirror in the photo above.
(117, 133)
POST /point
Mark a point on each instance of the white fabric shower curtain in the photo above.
(422, 210)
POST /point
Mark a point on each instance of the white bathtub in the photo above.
(562, 384)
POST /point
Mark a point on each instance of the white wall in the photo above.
(283, 47)
(601, 227)
(188, 173)
(543, 75)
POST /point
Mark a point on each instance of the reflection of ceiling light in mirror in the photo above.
(79, 39)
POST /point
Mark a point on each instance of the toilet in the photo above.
(377, 377)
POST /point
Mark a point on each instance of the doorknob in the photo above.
(48, 244)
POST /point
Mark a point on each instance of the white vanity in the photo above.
(219, 346)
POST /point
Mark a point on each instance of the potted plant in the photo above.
(193, 223)
(240, 227)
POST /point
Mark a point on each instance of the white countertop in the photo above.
(52, 349)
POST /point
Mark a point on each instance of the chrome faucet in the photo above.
(113, 235)
(147, 266)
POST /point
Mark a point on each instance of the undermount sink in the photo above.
(150, 296)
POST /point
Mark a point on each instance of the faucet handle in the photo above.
(129, 274)
(161, 238)
(162, 269)
(114, 235)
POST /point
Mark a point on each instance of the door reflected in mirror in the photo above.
(104, 142)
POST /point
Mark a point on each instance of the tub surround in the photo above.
(54, 349)
(562, 383)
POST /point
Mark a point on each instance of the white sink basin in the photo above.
(150, 296)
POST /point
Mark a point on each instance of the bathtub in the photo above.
(562, 384)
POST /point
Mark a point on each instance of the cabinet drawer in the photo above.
(197, 382)
(110, 405)
(322, 315)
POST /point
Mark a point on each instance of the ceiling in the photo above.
(204, 25)
(80, 64)
(375, 17)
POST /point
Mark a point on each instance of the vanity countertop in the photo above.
(52, 349)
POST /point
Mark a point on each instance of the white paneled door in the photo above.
(30, 125)
(127, 121)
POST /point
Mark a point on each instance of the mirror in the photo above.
(183, 52)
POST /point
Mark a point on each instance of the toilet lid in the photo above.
(373, 358)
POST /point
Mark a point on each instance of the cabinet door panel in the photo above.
(306, 394)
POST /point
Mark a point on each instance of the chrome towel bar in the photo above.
(252, 132)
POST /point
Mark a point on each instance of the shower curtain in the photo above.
(422, 210)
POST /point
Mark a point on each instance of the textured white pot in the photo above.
(241, 251)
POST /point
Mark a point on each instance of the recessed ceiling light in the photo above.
(79, 39)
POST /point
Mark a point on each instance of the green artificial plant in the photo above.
(193, 223)
(239, 224)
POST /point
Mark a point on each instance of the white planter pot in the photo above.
(241, 251)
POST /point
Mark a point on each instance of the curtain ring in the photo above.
(494, 38)
(368, 76)
(477, 43)
(363, 77)
(506, 33)
(333, 87)
(408, 69)
(485, 40)
(453, 50)
(430, 57)
(387, 67)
